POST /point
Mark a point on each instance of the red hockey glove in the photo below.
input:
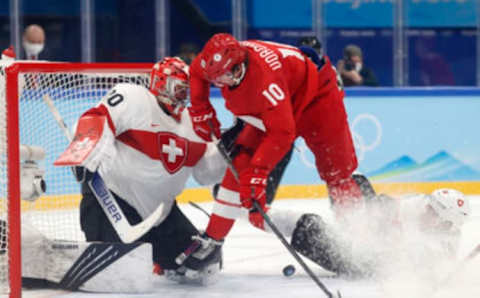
(205, 123)
(253, 183)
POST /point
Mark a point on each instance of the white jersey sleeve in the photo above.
(211, 168)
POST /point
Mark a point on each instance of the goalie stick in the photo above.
(274, 228)
(127, 233)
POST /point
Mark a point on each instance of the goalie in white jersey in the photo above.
(145, 153)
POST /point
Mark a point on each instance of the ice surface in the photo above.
(254, 261)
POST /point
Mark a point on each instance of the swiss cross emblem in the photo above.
(460, 202)
(173, 151)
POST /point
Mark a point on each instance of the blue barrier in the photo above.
(401, 135)
(395, 91)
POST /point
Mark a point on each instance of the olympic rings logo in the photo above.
(361, 145)
(359, 142)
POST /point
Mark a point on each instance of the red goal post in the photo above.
(26, 119)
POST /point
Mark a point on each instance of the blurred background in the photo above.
(405, 43)
(419, 126)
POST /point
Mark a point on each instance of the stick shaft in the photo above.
(56, 114)
(291, 249)
(274, 228)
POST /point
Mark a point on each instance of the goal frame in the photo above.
(12, 73)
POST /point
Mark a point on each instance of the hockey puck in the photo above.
(289, 270)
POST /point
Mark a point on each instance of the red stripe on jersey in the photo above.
(172, 150)
(228, 203)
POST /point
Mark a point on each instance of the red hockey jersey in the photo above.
(280, 82)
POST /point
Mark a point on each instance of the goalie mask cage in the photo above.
(26, 119)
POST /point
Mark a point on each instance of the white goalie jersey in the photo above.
(151, 155)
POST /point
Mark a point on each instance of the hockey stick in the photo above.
(199, 208)
(274, 228)
(223, 151)
(293, 252)
(127, 233)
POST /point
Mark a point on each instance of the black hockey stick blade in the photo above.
(294, 253)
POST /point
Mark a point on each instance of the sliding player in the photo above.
(424, 229)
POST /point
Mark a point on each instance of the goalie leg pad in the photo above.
(169, 238)
(85, 273)
(97, 267)
(313, 239)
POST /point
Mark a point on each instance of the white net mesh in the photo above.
(55, 214)
(4, 286)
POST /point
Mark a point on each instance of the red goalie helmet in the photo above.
(220, 54)
(169, 81)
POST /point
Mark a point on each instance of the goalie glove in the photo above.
(93, 144)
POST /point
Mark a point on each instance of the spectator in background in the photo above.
(188, 51)
(433, 69)
(353, 71)
(33, 41)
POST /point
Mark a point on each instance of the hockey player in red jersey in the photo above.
(281, 95)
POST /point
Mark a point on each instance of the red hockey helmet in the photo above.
(220, 54)
(169, 81)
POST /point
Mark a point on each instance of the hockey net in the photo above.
(26, 119)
